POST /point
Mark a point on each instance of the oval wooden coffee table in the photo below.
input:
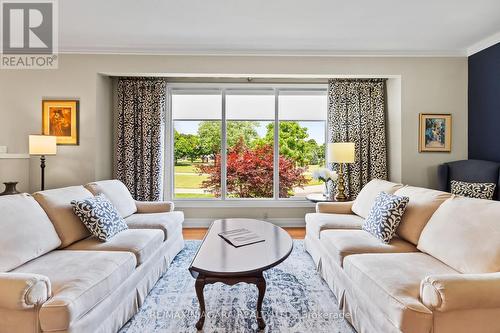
(219, 261)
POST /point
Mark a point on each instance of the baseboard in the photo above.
(282, 222)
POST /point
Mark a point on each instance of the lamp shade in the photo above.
(42, 145)
(341, 152)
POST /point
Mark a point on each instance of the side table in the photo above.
(319, 197)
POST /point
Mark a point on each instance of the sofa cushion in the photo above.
(342, 243)
(57, 205)
(464, 233)
(117, 193)
(25, 231)
(385, 216)
(99, 216)
(80, 280)
(392, 283)
(317, 222)
(366, 197)
(170, 223)
(142, 243)
(423, 203)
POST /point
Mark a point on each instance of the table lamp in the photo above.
(42, 145)
(341, 152)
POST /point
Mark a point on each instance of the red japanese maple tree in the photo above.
(250, 173)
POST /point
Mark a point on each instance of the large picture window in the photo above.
(247, 143)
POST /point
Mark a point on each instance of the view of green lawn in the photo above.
(193, 195)
(188, 180)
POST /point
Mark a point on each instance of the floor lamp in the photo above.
(341, 152)
(42, 145)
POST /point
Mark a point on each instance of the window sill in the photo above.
(243, 203)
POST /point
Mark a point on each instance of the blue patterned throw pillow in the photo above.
(385, 216)
(473, 190)
(99, 216)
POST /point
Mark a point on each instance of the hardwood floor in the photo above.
(296, 233)
(199, 233)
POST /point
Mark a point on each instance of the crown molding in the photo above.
(154, 50)
(483, 44)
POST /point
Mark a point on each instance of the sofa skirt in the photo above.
(116, 309)
(355, 307)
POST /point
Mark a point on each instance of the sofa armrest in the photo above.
(20, 291)
(450, 292)
(147, 207)
(334, 207)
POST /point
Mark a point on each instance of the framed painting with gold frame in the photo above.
(60, 118)
(434, 133)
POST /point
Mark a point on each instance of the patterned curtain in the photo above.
(356, 113)
(139, 140)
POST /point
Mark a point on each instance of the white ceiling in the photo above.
(315, 27)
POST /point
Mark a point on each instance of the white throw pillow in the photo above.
(366, 197)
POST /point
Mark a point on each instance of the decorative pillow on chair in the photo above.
(99, 216)
(385, 216)
(473, 190)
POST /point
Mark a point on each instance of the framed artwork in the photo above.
(434, 133)
(60, 118)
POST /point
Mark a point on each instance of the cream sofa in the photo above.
(54, 277)
(441, 273)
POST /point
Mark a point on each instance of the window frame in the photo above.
(222, 90)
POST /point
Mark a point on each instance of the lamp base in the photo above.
(341, 198)
(42, 167)
(340, 186)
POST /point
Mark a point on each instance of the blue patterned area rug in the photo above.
(296, 300)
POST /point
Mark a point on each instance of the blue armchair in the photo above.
(478, 171)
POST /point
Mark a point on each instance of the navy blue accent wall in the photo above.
(484, 104)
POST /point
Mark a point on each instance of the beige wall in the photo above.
(434, 85)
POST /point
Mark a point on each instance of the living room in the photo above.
(350, 147)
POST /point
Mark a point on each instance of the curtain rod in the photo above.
(358, 80)
(141, 78)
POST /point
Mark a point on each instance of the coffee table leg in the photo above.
(261, 286)
(199, 285)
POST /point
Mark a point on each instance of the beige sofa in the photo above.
(441, 273)
(54, 277)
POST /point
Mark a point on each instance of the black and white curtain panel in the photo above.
(139, 140)
(356, 113)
